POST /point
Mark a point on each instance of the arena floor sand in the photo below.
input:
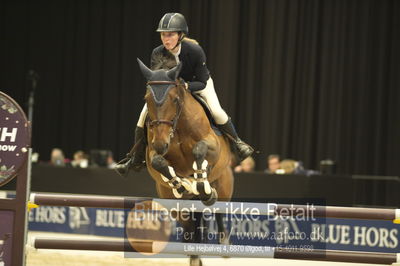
(46, 257)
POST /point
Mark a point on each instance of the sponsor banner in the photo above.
(14, 138)
(317, 233)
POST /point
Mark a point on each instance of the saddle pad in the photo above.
(208, 113)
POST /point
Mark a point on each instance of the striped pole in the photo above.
(245, 208)
(215, 250)
(169, 204)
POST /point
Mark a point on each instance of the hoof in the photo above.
(225, 239)
(212, 198)
(195, 261)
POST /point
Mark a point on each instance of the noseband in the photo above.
(173, 123)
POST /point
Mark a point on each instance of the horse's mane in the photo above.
(159, 61)
(164, 62)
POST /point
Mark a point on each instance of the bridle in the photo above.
(179, 103)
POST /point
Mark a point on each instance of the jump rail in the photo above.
(215, 250)
(248, 208)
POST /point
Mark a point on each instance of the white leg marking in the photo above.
(176, 193)
(171, 171)
(187, 185)
(207, 187)
(204, 165)
(194, 188)
(165, 179)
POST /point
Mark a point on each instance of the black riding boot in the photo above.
(243, 150)
(135, 159)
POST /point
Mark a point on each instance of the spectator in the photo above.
(273, 163)
(35, 157)
(102, 158)
(246, 166)
(110, 161)
(289, 166)
(58, 158)
(80, 160)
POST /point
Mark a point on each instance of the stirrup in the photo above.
(122, 167)
(244, 150)
(125, 165)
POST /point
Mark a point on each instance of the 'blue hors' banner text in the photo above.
(320, 233)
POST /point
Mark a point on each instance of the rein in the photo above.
(174, 122)
(161, 82)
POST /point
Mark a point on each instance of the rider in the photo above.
(194, 72)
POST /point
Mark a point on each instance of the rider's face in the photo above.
(169, 39)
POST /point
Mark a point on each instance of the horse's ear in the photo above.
(174, 73)
(147, 73)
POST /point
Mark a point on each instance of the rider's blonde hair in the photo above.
(185, 38)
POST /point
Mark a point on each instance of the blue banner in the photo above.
(320, 233)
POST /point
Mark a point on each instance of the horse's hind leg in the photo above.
(193, 232)
(223, 234)
(201, 170)
(178, 185)
(224, 186)
(198, 236)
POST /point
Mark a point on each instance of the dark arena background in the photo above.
(309, 80)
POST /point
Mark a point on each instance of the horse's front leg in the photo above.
(178, 185)
(201, 171)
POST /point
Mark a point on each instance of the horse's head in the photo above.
(164, 102)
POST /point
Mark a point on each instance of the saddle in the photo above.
(214, 125)
(207, 110)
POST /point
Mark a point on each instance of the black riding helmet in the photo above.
(173, 22)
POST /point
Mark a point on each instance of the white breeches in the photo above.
(142, 117)
(209, 96)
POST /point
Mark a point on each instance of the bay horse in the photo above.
(184, 155)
